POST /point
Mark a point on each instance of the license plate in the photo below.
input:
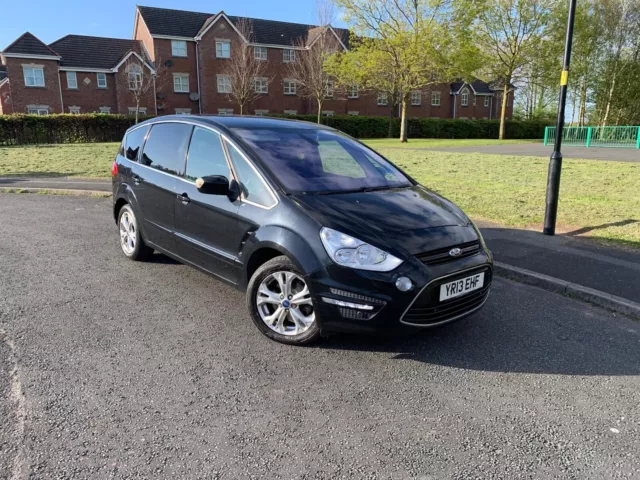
(462, 286)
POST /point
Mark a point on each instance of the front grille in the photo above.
(428, 309)
(436, 257)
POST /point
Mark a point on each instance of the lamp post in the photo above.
(555, 162)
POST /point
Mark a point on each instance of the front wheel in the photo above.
(280, 303)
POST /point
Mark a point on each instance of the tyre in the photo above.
(131, 241)
(280, 303)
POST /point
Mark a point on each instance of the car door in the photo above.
(155, 179)
(207, 225)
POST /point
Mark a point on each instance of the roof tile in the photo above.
(29, 44)
(94, 52)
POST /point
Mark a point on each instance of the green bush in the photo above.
(33, 129)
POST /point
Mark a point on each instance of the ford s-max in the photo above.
(323, 233)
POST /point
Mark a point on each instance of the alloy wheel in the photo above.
(127, 233)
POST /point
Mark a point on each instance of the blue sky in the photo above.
(49, 20)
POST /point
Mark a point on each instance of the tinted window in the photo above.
(133, 142)
(166, 147)
(206, 156)
(253, 187)
(310, 161)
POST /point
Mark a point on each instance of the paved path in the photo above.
(102, 185)
(539, 150)
(154, 370)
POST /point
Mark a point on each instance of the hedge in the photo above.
(66, 128)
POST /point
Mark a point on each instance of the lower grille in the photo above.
(427, 309)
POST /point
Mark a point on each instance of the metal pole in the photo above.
(555, 162)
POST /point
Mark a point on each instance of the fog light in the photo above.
(404, 284)
(341, 303)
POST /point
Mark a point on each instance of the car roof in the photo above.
(239, 121)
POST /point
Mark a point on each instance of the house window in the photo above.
(181, 83)
(179, 48)
(224, 84)
(261, 85)
(183, 111)
(288, 55)
(383, 99)
(290, 112)
(353, 112)
(225, 111)
(329, 90)
(102, 80)
(33, 76)
(38, 109)
(135, 77)
(141, 110)
(416, 98)
(289, 87)
(260, 53)
(435, 99)
(223, 49)
(72, 81)
(105, 109)
(74, 110)
(486, 101)
(353, 91)
(327, 113)
(261, 113)
(464, 99)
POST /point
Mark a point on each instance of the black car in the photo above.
(322, 232)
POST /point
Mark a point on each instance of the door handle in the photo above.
(136, 178)
(184, 198)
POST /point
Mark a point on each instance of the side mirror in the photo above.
(213, 185)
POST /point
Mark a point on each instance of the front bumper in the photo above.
(395, 311)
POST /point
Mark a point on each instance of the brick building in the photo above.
(185, 53)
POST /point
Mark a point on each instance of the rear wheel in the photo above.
(131, 241)
(280, 303)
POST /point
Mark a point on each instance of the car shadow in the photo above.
(162, 259)
(535, 338)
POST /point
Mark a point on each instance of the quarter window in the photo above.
(179, 48)
(288, 55)
(289, 87)
(102, 80)
(72, 80)
(133, 142)
(260, 53)
(166, 147)
(180, 83)
(224, 84)
(206, 156)
(223, 49)
(253, 188)
(33, 77)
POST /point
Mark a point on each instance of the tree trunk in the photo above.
(583, 102)
(241, 108)
(503, 110)
(390, 131)
(574, 97)
(403, 120)
(319, 110)
(609, 99)
(137, 109)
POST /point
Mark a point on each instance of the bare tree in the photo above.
(140, 80)
(243, 69)
(308, 69)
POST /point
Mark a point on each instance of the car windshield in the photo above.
(321, 162)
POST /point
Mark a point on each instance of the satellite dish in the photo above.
(195, 96)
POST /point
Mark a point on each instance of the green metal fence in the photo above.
(595, 136)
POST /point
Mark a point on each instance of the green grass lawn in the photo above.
(438, 142)
(77, 160)
(603, 198)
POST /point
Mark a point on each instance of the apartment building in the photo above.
(185, 53)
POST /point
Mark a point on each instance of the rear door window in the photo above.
(166, 147)
(133, 141)
(206, 156)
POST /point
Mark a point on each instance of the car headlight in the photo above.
(351, 252)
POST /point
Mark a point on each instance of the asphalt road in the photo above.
(129, 370)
